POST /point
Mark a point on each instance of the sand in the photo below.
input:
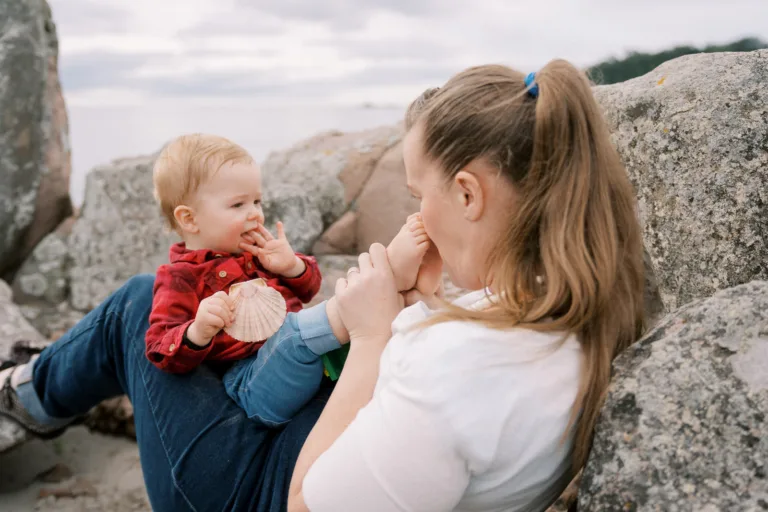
(105, 475)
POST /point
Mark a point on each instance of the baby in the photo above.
(209, 190)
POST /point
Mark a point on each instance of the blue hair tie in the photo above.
(533, 87)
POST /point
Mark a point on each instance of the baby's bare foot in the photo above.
(406, 251)
(430, 274)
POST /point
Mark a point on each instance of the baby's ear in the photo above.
(185, 219)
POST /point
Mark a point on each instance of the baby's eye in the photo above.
(237, 205)
(257, 202)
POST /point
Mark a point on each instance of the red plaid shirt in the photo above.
(195, 275)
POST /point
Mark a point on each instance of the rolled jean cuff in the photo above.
(315, 329)
(31, 402)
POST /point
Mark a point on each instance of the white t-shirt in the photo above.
(463, 418)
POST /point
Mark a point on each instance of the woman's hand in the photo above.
(367, 303)
(368, 298)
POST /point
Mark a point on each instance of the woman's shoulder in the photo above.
(462, 343)
(454, 353)
(468, 346)
(487, 383)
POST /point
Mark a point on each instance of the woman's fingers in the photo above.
(353, 274)
(341, 285)
(364, 260)
(368, 300)
(378, 257)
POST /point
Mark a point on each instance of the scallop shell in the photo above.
(259, 311)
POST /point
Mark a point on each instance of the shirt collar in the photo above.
(179, 252)
(476, 300)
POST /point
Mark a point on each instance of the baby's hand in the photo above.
(213, 314)
(275, 254)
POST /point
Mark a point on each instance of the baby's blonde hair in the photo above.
(187, 162)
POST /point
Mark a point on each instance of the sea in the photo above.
(100, 134)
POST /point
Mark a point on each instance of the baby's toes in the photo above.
(413, 217)
(416, 227)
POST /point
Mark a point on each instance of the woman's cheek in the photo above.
(431, 220)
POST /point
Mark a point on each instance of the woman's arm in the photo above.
(396, 450)
(353, 391)
(401, 452)
(368, 302)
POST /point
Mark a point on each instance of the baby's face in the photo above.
(227, 206)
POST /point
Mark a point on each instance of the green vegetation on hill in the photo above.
(637, 64)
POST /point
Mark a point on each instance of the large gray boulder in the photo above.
(685, 424)
(318, 181)
(13, 327)
(41, 287)
(694, 136)
(119, 233)
(34, 142)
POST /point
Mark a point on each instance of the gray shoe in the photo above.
(11, 407)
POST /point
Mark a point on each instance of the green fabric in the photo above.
(334, 361)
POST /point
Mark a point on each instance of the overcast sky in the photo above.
(350, 52)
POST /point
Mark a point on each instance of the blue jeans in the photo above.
(272, 385)
(198, 449)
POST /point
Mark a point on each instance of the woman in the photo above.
(481, 407)
(487, 404)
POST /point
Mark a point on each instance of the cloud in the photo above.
(414, 48)
(396, 75)
(247, 21)
(366, 50)
(101, 69)
(90, 16)
(350, 14)
(259, 87)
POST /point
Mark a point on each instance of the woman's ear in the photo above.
(470, 194)
(185, 219)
